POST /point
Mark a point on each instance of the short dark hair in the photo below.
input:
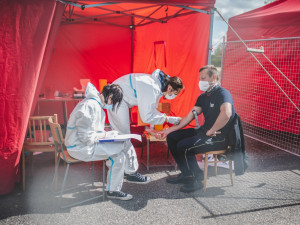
(116, 91)
(211, 70)
(176, 83)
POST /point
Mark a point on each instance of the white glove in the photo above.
(111, 134)
(173, 120)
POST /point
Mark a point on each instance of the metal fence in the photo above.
(267, 114)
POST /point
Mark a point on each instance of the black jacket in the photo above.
(236, 150)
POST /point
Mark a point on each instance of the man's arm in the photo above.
(223, 118)
(183, 122)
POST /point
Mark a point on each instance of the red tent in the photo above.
(258, 99)
(94, 40)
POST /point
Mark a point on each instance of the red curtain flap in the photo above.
(275, 20)
(186, 40)
(24, 30)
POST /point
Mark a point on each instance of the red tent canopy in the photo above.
(275, 20)
(258, 99)
(95, 42)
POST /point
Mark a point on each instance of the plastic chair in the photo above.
(149, 137)
(221, 154)
(64, 155)
(38, 139)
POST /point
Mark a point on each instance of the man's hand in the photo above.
(162, 134)
(211, 133)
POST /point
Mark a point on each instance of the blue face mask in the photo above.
(107, 106)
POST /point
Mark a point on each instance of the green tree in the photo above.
(216, 56)
(269, 1)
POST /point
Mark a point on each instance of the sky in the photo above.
(230, 8)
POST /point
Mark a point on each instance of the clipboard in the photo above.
(121, 137)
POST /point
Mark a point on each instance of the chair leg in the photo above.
(142, 147)
(64, 182)
(230, 171)
(23, 170)
(54, 180)
(205, 171)
(31, 162)
(147, 155)
(55, 163)
(104, 179)
(93, 173)
(168, 153)
(215, 163)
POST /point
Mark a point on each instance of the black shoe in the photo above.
(137, 178)
(180, 179)
(118, 195)
(194, 186)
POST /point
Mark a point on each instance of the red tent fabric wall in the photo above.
(24, 30)
(258, 99)
(84, 50)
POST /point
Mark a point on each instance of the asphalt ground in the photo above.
(268, 193)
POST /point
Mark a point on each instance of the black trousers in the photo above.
(186, 143)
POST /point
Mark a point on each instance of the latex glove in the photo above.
(101, 134)
(112, 133)
(173, 120)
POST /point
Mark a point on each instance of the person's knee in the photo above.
(172, 137)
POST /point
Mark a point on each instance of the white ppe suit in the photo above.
(86, 122)
(142, 90)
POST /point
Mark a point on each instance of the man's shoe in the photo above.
(137, 178)
(194, 186)
(118, 195)
(180, 179)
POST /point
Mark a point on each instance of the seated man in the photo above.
(86, 127)
(217, 107)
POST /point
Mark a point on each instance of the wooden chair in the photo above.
(216, 161)
(64, 155)
(221, 153)
(149, 136)
(38, 131)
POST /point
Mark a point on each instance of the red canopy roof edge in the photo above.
(209, 3)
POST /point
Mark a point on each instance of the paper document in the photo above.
(121, 137)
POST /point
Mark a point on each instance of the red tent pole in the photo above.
(132, 43)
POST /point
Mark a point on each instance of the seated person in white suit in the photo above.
(86, 127)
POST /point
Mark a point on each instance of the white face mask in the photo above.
(203, 85)
(108, 106)
(170, 96)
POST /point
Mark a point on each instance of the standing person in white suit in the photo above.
(86, 127)
(142, 90)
